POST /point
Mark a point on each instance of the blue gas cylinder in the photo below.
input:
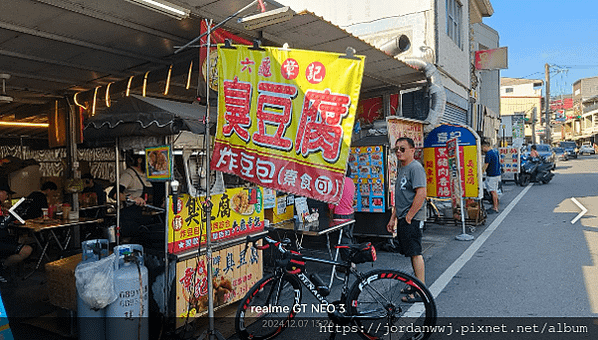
(90, 322)
(127, 317)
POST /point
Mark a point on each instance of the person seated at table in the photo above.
(344, 208)
(39, 200)
(135, 192)
(91, 186)
(11, 252)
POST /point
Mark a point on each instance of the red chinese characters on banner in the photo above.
(196, 278)
(238, 100)
(442, 173)
(278, 97)
(264, 69)
(289, 176)
(319, 128)
(247, 65)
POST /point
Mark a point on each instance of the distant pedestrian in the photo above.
(408, 211)
(344, 208)
(534, 153)
(492, 169)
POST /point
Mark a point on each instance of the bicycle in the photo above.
(371, 307)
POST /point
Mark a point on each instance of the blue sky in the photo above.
(563, 33)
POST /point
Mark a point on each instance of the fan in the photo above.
(3, 97)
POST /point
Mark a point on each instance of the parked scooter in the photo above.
(535, 170)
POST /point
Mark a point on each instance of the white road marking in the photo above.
(438, 286)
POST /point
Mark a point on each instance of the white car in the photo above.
(587, 149)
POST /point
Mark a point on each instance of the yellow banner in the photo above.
(285, 118)
(237, 212)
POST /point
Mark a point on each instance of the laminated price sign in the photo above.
(285, 118)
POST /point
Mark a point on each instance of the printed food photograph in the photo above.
(240, 203)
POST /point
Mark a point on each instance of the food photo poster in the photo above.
(158, 163)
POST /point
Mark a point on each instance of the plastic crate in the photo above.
(60, 274)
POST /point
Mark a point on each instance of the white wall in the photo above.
(348, 12)
(453, 59)
(522, 90)
(489, 88)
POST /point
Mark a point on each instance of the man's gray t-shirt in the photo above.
(409, 178)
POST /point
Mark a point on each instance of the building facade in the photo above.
(582, 126)
(485, 98)
(438, 32)
(521, 99)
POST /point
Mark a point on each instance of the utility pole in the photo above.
(547, 103)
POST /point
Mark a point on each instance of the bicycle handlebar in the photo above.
(253, 240)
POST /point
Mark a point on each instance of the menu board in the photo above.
(367, 172)
(509, 160)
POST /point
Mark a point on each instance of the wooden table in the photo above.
(49, 226)
(316, 229)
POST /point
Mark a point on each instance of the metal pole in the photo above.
(208, 32)
(547, 103)
(116, 157)
(211, 333)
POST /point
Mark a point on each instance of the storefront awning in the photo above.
(142, 116)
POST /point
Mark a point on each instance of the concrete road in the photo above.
(531, 261)
(528, 274)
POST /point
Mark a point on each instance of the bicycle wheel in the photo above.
(379, 311)
(268, 307)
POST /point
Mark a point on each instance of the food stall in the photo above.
(171, 136)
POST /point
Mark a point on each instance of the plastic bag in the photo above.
(95, 282)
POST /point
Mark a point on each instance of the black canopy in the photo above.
(143, 116)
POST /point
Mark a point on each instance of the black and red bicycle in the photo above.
(372, 306)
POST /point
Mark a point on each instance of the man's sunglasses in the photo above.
(402, 149)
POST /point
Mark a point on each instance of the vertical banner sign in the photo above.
(367, 172)
(285, 118)
(436, 162)
(452, 152)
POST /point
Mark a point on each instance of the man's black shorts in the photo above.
(409, 237)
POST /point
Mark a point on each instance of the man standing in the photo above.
(492, 169)
(410, 195)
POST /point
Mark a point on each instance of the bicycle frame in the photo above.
(312, 288)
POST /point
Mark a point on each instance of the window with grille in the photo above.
(454, 13)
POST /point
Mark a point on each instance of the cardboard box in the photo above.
(62, 289)
(473, 213)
